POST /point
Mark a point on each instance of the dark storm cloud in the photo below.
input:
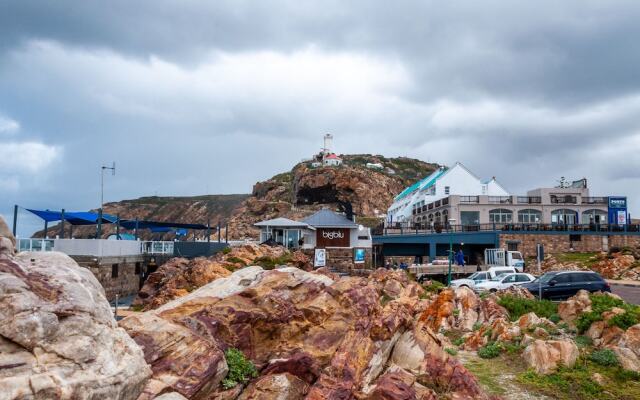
(195, 96)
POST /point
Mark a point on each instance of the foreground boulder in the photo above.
(546, 356)
(180, 276)
(309, 336)
(58, 337)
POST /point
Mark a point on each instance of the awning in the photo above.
(74, 217)
(158, 226)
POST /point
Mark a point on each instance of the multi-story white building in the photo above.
(444, 182)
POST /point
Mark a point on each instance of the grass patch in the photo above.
(495, 375)
(240, 369)
(236, 260)
(583, 341)
(458, 342)
(583, 259)
(577, 382)
(226, 250)
(434, 287)
(517, 307)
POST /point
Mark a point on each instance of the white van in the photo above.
(482, 276)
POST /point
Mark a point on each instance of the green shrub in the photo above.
(604, 357)
(517, 307)
(240, 369)
(384, 299)
(434, 287)
(456, 312)
(226, 250)
(236, 260)
(583, 341)
(451, 351)
(458, 342)
(491, 350)
(269, 263)
(477, 326)
(511, 348)
(555, 318)
(626, 320)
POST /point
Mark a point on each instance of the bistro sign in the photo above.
(333, 237)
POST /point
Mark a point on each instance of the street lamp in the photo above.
(451, 221)
(113, 172)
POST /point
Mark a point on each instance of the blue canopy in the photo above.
(74, 218)
(157, 226)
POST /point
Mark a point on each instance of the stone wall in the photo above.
(127, 281)
(563, 243)
(341, 259)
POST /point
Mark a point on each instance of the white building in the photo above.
(332, 160)
(457, 180)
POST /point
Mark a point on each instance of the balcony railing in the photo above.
(499, 199)
(31, 244)
(595, 200)
(421, 228)
(529, 200)
(564, 199)
(470, 199)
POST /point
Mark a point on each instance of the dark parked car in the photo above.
(561, 285)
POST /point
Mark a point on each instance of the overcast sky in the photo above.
(191, 97)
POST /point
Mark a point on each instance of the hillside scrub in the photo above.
(601, 303)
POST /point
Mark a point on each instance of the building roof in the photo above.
(329, 219)
(282, 223)
(332, 157)
(423, 183)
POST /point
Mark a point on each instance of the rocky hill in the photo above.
(366, 191)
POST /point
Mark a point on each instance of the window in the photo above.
(469, 217)
(138, 268)
(114, 270)
(575, 238)
(509, 279)
(523, 278)
(563, 278)
(594, 217)
(446, 190)
(481, 276)
(529, 216)
(564, 216)
(484, 189)
(512, 246)
(500, 215)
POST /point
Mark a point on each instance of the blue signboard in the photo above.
(358, 256)
(618, 210)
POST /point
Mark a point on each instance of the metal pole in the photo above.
(450, 254)
(226, 232)
(219, 232)
(46, 223)
(118, 227)
(115, 311)
(99, 230)
(62, 224)
(209, 231)
(15, 219)
(135, 231)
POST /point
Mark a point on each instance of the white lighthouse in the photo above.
(328, 144)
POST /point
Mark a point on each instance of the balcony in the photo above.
(469, 199)
(529, 200)
(499, 199)
(564, 199)
(595, 200)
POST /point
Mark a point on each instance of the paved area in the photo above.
(630, 294)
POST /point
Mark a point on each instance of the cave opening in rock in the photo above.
(321, 195)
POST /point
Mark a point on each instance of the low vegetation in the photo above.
(240, 369)
(491, 350)
(604, 357)
(271, 262)
(601, 303)
(517, 307)
(585, 260)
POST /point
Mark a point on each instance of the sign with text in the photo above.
(320, 258)
(333, 237)
(358, 256)
(618, 210)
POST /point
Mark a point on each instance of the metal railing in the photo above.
(35, 244)
(470, 199)
(564, 200)
(423, 228)
(499, 199)
(595, 200)
(529, 200)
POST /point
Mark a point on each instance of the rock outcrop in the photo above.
(309, 336)
(180, 276)
(546, 356)
(58, 337)
(7, 241)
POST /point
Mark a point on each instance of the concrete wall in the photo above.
(341, 259)
(98, 248)
(563, 243)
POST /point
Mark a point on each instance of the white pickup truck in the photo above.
(504, 258)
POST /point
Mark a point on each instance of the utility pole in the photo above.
(451, 221)
(113, 172)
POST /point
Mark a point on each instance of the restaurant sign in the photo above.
(332, 237)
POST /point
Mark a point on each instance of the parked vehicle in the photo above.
(504, 258)
(504, 282)
(560, 285)
(482, 276)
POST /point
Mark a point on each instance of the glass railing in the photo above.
(31, 244)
